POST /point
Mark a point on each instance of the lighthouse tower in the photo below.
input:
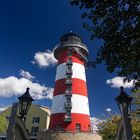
(70, 108)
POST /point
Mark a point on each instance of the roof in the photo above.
(71, 34)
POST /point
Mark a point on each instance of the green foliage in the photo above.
(136, 129)
(136, 96)
(117, 23)
(108, 128)
(136, 104)
(3, 124)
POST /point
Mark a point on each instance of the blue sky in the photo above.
(29, 27)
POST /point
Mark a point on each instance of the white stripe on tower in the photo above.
(79, 104)
(78, 71)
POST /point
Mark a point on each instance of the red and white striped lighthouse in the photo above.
(70, 108)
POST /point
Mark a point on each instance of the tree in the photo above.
(3, 124)
(136, 104)
(108, 128)
(117, 23)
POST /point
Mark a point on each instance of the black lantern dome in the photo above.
(25, 102)
(71, 40)
(124, 98)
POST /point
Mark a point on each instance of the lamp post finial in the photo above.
(121, 88)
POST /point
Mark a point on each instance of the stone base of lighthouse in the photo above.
(49, 135)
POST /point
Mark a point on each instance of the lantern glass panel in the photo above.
(24, 103)
(20, 107)
(24, 106)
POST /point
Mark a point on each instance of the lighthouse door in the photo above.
(78, 127)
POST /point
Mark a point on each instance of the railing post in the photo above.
(11, 126)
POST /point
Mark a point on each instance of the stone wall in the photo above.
(67, 136)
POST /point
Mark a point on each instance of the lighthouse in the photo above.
(70, 107)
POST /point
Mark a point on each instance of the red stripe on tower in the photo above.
(80, 118)
(70, 109)
(60, 87)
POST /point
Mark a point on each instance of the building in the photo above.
(37, 119)
(2, 136)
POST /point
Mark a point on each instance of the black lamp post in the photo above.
(123, 98)
(124, 103)
(25, 102)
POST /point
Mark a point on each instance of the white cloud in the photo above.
(26, 74)
(117, 82)
(108, 109)
(2, 108)
(13, 86)
(44, 59)
(94, 122)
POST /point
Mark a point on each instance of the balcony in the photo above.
(68, 93)
(68, 105)
(67, 118)
(68, 72)
(69, 62)
(68, 81)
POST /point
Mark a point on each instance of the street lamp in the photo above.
(16, 127)
(122, 99)
(124, 131)
(25, 102)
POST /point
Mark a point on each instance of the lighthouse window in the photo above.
(69, 87)
(68, 100)
(68, 112)
(70, 52)
(78, 127)
(69, 76)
